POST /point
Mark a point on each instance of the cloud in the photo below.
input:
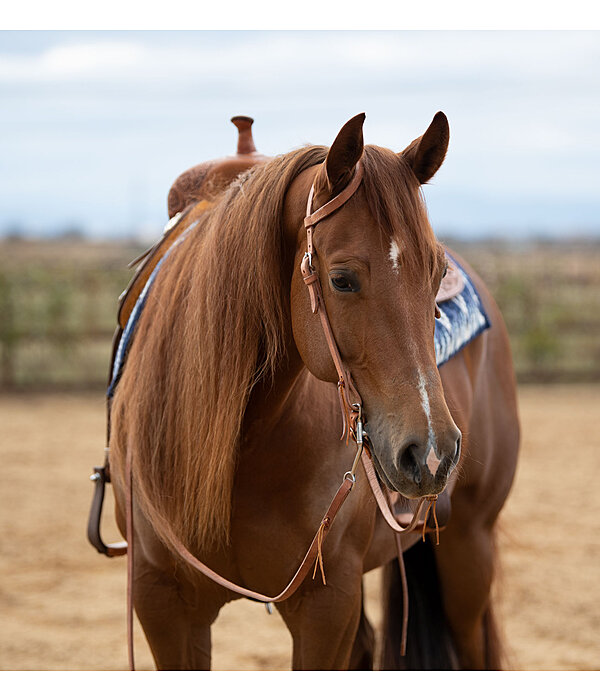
(91, 61)
(317, 57)
(524, 108)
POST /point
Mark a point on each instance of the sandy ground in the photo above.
(62, 606)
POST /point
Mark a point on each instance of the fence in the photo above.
(58, 301)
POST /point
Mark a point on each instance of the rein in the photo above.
(352, 416)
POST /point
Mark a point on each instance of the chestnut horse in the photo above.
(227, 417)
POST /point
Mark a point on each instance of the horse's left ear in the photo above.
(345, 153)
(427, 153)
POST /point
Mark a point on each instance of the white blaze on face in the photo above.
(432, 460)
(394, 255)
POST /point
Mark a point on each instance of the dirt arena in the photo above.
(62, 605)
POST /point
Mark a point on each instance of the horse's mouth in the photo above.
(381, 475)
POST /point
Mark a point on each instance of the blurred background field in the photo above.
(96, 126)
(59, 297)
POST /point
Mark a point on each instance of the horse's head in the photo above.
(380, 268)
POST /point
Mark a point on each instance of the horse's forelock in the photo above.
(396, 203)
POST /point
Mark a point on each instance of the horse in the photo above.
(226, 417)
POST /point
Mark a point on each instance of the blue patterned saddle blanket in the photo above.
(462, 317)
(128, 331)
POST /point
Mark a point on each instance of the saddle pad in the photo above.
(462, 318)
(121, 352)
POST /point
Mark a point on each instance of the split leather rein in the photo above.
(353, 419)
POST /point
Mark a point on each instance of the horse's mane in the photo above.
(214, 325)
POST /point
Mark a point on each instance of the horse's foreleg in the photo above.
(178, 631)
(323, 622)
(465, 562)
(363, 650)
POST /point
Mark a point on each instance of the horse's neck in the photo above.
(272, 397)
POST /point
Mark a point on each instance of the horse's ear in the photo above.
(344, 154)
(427, 153)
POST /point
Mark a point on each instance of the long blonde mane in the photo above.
(214, 324)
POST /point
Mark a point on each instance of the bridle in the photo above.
(351, 410)
(353, 420)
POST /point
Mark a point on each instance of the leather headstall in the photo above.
(350, 409)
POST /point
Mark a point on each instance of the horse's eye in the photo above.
(445, 270)
(342, 283)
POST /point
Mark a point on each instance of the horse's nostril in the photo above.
(409, 463)
(456, 455)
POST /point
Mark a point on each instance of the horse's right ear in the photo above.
(427, 153)
(344, 154)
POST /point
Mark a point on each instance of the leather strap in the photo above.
(311, 279)
(404, 585)
(304, 568)
(383, 503)
(130, 539)
(351, 410)
(312, 556)
(334, 204)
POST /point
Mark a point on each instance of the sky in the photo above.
(95, 126)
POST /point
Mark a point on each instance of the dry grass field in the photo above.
(58, 303)
(62, 606)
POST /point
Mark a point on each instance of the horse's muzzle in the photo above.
(415, 470)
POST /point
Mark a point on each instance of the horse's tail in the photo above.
(429, 644)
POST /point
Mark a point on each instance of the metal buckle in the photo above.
(308, 256)
(358, 433)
